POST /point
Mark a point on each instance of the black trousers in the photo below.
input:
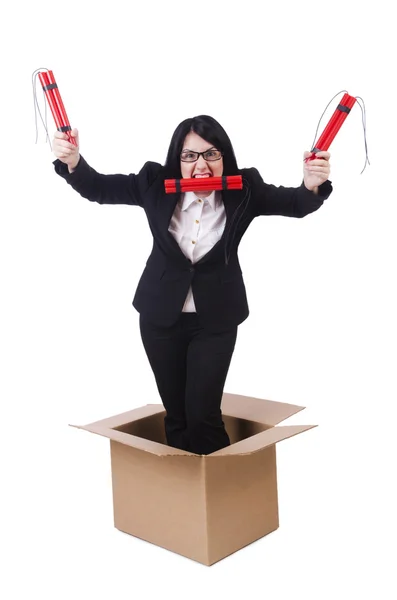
(190, 366)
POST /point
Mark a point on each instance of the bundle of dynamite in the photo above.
(55, 103)
(333, 125)
(205, 184)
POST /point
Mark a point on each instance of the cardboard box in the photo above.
(204, 507)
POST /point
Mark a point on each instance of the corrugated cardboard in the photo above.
(203, 507)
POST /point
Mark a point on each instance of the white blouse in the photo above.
(197, 225)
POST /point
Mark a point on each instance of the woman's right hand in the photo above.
(64, 150)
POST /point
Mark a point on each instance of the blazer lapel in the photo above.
(166, 207)
(232, 199)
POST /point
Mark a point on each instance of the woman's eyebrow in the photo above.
(188, 149)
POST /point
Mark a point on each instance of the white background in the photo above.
(322, 329)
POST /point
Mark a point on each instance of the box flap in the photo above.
(262, 440)
(106, 428)
(257, 409)
(131, 415)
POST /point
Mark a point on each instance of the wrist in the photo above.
(72, 167)
(312, 189)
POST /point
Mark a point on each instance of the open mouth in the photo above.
(202, 175)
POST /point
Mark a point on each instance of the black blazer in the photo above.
(217, 282)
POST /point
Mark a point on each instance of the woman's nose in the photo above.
(201, 162)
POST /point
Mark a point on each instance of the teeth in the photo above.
(202, 176)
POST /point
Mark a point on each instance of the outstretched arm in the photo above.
(294, 201)
(97, 187)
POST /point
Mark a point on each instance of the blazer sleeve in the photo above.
(269, 199)
(109, 189)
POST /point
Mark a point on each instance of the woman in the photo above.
(191, 296)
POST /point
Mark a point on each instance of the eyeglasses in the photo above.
(210, 155)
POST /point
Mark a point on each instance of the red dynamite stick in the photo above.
(61, 108)
(333, 126)
(194, 185)
(198, 180)
(204, 188)
(328, 134)
(50, 99)
(335, 117)
(49, 87)
(207, 184)
(337, 125)
(210, 182)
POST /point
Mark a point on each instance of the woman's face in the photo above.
(201, 167)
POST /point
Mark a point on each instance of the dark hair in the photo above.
(211, 131)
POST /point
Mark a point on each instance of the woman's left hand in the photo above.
(316, 171)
